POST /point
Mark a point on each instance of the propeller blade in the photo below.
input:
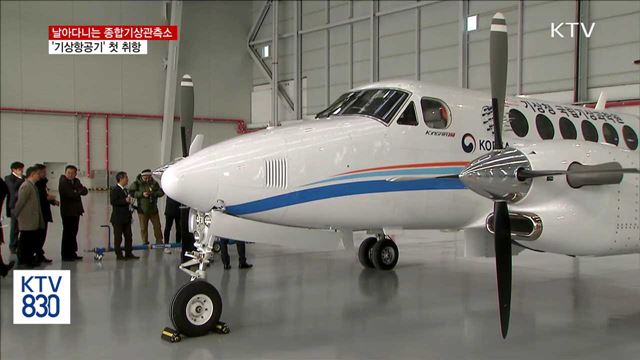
(420, 177)
(524, 174)
(498, 43)
(186, 112)
(530, 174)
(196, 145)
(579, 175)
(502, 238)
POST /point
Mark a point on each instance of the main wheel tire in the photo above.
(384, 254)
(364, 252)
(196, 308)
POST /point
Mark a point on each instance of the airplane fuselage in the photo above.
(355, 172)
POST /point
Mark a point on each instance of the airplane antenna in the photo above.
(602, 101)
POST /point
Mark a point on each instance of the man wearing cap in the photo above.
(147, 191)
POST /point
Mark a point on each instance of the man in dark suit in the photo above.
(14, 180)
(226, 259)
(30, 220)
(121, 217)
(171, 215)
(4, 268)
(46, 200)
(71, 192)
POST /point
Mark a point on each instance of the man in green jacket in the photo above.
(147, 191)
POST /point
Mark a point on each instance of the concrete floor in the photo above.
(323, 305)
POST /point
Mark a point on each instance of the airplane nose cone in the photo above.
(170, 182)
(495, 175)
(190, 185)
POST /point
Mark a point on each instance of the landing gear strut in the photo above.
(381, 254)
(197, 306)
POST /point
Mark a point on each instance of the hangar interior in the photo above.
(116, 113)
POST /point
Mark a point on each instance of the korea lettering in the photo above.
(41, 297)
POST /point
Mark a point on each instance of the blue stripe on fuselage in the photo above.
(339, 190)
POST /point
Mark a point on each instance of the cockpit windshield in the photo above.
(381, 104)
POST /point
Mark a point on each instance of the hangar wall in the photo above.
(31, 78)
(538, 63)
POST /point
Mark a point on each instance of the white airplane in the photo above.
(404, 154)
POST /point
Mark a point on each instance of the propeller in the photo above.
(498, 43)
(186, 126)
(186, 113)
(505, 175)
(578, 169)
(579, 175)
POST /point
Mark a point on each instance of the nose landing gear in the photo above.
(196, 307)
(381, 254)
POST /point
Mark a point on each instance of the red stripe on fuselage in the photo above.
(409, 166)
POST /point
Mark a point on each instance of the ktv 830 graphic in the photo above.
(41, 297)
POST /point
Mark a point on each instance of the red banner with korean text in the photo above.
(113, 32)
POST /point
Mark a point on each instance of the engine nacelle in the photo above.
(587, 220)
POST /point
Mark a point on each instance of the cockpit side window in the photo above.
(408, 116)
(435, 113)
(337, 105)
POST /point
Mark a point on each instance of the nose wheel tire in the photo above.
(217, 247)
(365, 252)
(196, 308)
(384, 254)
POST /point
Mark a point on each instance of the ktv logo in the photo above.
(41, 297)
(556, 29)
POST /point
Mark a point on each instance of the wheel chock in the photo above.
(221, 328)
(171, 335)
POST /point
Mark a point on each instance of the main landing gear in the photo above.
(380, 253)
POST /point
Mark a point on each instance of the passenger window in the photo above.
(630, 137)
(435, 114)
(610, 134)
(518, 123)
(589, 131)
(567, 129)
(545, 127)
(408, 116)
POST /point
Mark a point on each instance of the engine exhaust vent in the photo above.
(524, 226)
(276, 173)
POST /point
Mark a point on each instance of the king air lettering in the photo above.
(555, 29)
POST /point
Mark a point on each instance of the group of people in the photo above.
(142, 196)
(29, 202)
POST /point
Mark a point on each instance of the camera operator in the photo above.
(147, 191)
